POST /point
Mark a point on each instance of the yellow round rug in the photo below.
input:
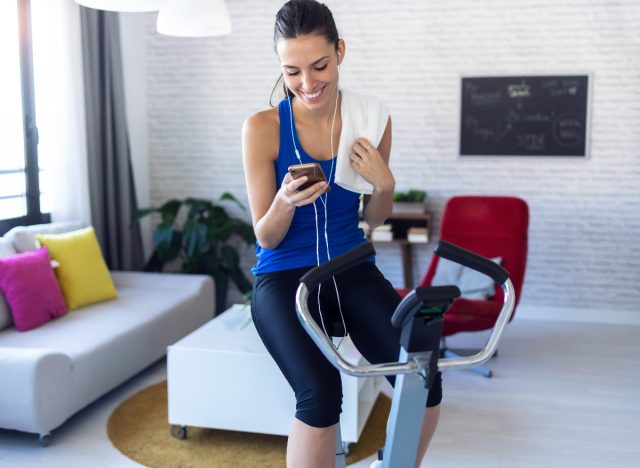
(139, 429)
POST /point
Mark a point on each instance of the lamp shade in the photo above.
(194, 18)
(123, 5)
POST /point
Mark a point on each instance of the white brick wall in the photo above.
(585, 221)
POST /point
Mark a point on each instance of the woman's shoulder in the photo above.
(261, 131)
(263, 123)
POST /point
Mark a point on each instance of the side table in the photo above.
(221, 376)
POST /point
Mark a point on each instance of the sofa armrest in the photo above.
(36, 389)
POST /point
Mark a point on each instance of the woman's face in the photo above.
(310, 68)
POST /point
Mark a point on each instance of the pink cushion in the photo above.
(30, 288)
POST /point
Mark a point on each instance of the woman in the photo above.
(297, 230)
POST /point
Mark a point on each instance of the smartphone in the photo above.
(312, 170)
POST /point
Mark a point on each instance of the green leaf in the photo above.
(168, 243)
(231, 261)
(417, 195)
(244, 231)
(229, 197)
(198, 207)
(169, 211)
(222, 232)
(195, 237)
(139, 214)
(217, 215)
(205, 241)
(163, 235)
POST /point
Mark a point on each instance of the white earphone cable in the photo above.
(324, 203)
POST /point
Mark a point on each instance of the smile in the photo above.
(315, 95)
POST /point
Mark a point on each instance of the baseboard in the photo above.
(576, 314)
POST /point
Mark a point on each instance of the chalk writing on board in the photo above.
(527, 115)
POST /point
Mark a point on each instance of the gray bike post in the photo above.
(407, 411)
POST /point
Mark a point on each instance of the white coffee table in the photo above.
(221, 376)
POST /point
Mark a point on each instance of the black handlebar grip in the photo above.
(472, 260)
(317, 275)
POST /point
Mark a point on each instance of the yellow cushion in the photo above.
(82, 274)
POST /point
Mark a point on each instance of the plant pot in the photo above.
(409, 208)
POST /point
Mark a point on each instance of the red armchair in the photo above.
(492, 226)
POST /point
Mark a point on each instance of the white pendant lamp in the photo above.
(194, 18)
(123, 5)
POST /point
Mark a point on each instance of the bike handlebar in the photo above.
(314, 277)
(334, 266)
(471, 260)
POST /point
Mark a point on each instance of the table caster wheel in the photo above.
(179, 432)
(346, 448)
(44, 439)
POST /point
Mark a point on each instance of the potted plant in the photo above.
(206, 242)
(411, 201)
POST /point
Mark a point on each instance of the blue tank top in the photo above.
(298, 248)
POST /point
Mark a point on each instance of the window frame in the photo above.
(30, 129)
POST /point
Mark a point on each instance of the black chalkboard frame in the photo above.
(588, 112)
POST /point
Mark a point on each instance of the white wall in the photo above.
(134, 51)
(584, 256)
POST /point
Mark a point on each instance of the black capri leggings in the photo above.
(368, 301)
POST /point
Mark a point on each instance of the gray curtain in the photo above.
(111, 182)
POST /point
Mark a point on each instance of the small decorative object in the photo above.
(411, 202)
(418, 235)
(206, 243)
(382, 233)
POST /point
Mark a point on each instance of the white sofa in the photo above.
(49, 373)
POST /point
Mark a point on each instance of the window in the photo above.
(21, 200)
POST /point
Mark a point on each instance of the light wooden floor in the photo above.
(563, 395)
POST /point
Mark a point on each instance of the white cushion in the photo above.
(6, 250)
(472, 284)
(23, 237)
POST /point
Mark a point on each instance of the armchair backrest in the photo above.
(492, 226)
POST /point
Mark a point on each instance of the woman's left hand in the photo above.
(367, 161)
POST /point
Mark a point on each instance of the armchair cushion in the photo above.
(472, 284)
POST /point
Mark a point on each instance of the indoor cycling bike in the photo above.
(419, 317)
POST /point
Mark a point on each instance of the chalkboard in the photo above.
(524, 116)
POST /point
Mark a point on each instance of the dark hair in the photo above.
(301, 17)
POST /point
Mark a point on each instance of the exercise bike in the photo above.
(419, 317)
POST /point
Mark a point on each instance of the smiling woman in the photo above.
(289, 220)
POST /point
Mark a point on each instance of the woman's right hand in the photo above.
(288, 191)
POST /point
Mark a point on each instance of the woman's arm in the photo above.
(271, 209)
(373, 165)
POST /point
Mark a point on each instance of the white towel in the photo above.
(362, 117)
